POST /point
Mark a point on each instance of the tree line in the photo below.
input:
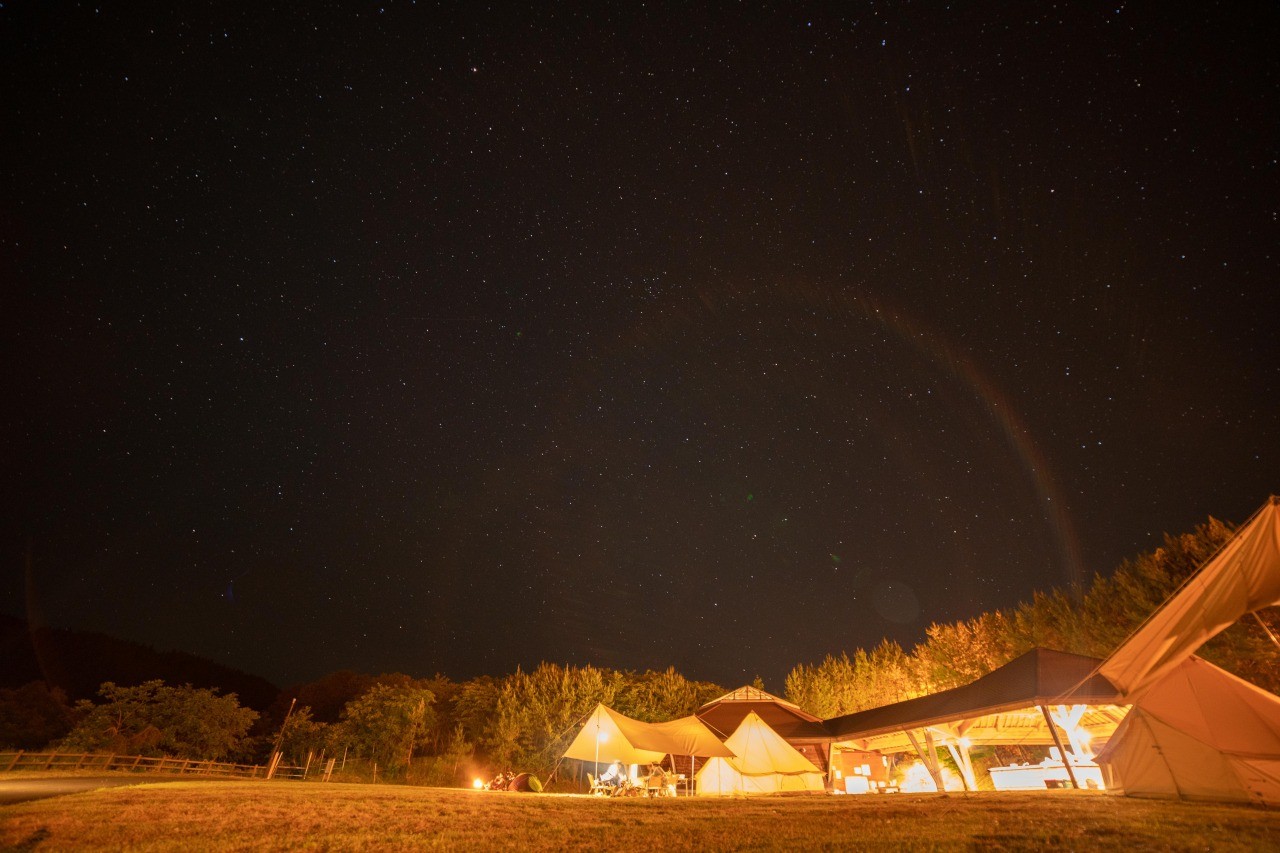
(1090, 622)
(427, 730)
(439, 731)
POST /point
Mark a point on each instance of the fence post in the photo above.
(49, 763)
(275, 762)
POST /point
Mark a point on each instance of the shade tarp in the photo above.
(1200, 733)
(762, 763)
(610, 736)
(1243, 577)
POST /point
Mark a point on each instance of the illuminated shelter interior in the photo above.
(1012, 705)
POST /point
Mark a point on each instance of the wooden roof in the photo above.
(789, 720)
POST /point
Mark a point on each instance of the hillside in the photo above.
(79, 661)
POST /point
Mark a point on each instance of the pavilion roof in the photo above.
(995, 707)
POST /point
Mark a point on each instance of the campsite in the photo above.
(1152, 719)
(630, 426)
(1151, 747)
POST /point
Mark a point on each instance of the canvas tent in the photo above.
(762, 763)
(1195, 730)
(1243, 577)
(609, 736)
(1202, 733)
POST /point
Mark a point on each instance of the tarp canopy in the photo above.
(1243, 577)
(609, 736)
(762, 763)
(1202, 733)
(1001, 707)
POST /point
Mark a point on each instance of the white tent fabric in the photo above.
(1243, 577)
(1199, 733)
(609, 736)
(762, 763)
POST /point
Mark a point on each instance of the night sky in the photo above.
(421, 338)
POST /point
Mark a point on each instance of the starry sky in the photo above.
(458, 337)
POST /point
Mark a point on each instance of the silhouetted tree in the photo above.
(32, 716)
(156, 719)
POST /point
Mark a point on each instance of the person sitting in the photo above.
(614, 776)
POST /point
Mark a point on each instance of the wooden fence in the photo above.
(140, 763)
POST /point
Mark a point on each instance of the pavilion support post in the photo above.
(929, 756)
(1066, 759)
(932, 747)
(960, 755)
(1069, 719)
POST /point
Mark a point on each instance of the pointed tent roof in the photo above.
(1242, 577)
(607, 735)
(760, 751)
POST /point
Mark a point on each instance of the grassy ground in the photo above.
(255, 815)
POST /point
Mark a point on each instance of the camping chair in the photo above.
(597, 789)
(655, 784)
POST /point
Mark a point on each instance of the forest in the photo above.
(439, 731)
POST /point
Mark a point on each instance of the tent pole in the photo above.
(1066, 762)
(1264, 627)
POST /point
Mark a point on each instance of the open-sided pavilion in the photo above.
(1043, 698)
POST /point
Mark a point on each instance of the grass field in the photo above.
(249, 815)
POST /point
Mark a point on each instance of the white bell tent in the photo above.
(762, 763)
(1199, 733)
(1195, 730)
